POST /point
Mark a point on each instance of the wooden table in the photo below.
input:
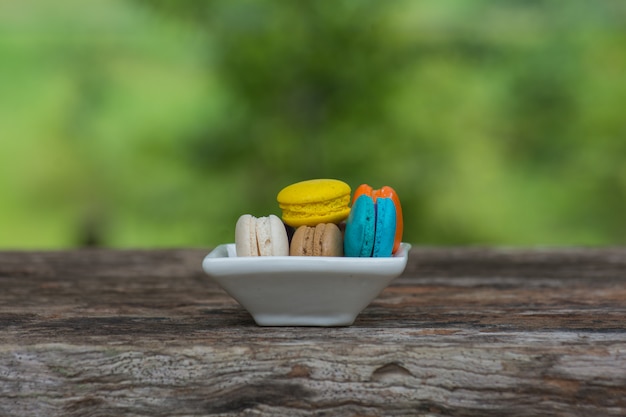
(464, 332)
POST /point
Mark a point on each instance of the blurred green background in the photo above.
(157, 123)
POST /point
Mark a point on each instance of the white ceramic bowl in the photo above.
(303, 290)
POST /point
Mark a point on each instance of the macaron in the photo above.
(308, 203)
(373, 223)
(360, 231)
(325, 239)
(385, 192)
(263, 236)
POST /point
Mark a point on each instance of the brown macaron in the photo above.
(325, 239)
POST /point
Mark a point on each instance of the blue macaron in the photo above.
(370, 228)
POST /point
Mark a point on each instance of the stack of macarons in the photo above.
(322, 222)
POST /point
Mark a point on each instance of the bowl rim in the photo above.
(222, 261)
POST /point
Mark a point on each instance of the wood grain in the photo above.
(464, 332)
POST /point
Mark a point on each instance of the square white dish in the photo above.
(303, 290)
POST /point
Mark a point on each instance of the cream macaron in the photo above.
(263, 236)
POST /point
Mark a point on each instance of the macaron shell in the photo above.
(318, 236)
(278, 237)
(313, 191)
(360, 228)
(302, 241)
(245, 236)
(328, 240)
(389, 192)
(385, 227)
(264, 236)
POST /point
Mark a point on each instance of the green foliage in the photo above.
(157, 123)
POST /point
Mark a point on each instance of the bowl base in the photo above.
(304, 320)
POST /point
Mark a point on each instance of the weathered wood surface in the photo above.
(464, 332)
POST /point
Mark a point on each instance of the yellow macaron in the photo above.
(308, 203)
